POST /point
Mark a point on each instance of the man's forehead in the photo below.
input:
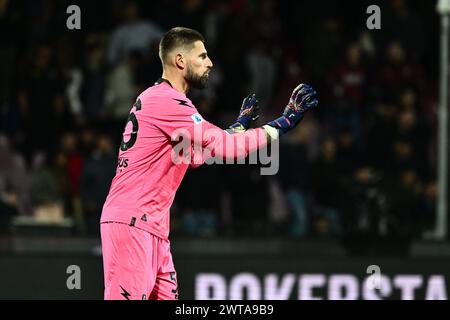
(199, 47)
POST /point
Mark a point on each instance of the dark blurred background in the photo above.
(359, 173)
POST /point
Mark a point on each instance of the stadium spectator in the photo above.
(13, 184)
(93, 86)
(121, 90)
(326, 183)
(134, 34)
(295, 181)
(97, 173)
(46, 192)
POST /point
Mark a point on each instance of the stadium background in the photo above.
(357, 179)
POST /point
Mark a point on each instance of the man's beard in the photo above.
(196, 81)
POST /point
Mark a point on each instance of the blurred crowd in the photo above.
(362, 165)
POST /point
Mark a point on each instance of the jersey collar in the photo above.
(161, 80)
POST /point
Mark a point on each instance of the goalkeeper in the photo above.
(135, 220)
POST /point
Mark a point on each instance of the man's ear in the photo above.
(180, 61)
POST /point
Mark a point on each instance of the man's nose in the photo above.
(209, 63)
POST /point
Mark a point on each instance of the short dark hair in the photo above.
(178, 37)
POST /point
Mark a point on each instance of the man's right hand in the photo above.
(302, 99)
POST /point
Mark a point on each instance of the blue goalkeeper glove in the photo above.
(247, 114)
(302, 99)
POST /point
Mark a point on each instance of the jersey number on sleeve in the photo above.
(124, 146)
